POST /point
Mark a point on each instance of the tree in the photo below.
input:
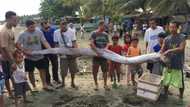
(175, 7)
(157, 7)
(59, 8)
(93, 8)
(113, 8)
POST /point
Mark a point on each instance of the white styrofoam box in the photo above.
(147, 95)
(151, 79)
(186, 68)
(149, 87)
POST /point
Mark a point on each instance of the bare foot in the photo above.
(96, 88)
(74, 86)
(106, 88)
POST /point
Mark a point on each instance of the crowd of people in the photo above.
(18, 64)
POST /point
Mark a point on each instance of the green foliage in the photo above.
(113, 8)
(59, 8)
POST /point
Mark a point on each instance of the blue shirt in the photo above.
(49, 36)
(157, 48)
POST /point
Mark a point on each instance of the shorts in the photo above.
(6, 69)
(68, 65)
(157, 68)
(102, 62)
(21, 88)
(2, 84)
(135, 69)
(173, 77)
(40, 64)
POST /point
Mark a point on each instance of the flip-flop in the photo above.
(60, 86)
(114, 86)
(106, 88)
(180, 102)
(48, 89)
(27, 101)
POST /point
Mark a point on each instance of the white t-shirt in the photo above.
(114, 28)
(82, 28)
(68, 36)
(20, 74)
(73, 30)
(151, 36)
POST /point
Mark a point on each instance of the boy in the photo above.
(157, 67)
(134, 50)
(99, 39)
(114, 67)
(19, 77)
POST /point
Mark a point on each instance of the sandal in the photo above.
(28, 101)
(106, 88)
(49, 89)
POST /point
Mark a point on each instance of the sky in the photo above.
(21, 7)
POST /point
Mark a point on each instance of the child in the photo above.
(2, 83)
(161, 37)
(114, 67)
(157, 67)
(127, 40)
(134, 50)
(19, 77)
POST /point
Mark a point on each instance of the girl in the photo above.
(114, 67)
(127, 41)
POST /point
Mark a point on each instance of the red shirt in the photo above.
(125, 48)
(115, 48)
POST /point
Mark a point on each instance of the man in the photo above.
(151, 39)
(173, 48)
(32, 40)
(7, 46)
(72, 28)
(99, 39)
(65, 38)
(48, 33)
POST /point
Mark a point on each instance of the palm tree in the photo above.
(157, 7)
(172, 7)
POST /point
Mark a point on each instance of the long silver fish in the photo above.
(103, 52)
